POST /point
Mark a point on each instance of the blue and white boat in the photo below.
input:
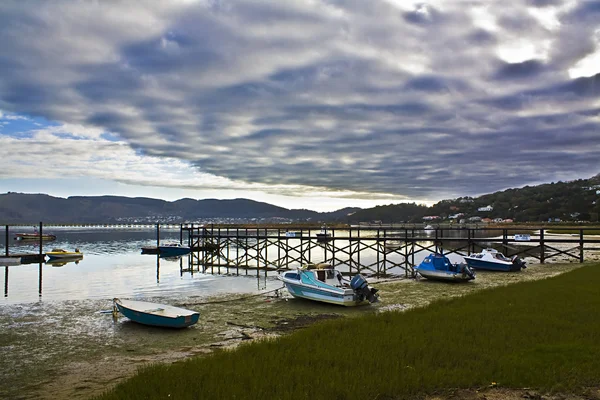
(154, 314)
(439, 267)
(321, 282)
(174, 249)
(492, 260)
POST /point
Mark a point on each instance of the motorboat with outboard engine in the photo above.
(439, 267)
(493, 260)
(321, 282)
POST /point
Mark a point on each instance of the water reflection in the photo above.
(114, 267)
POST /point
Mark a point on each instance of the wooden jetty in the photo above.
(379, 251)
(26, 258)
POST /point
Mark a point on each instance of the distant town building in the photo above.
(475, 219)
(456, 216)
(430, 217)
(486, 208)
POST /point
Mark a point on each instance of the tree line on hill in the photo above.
(577, 200)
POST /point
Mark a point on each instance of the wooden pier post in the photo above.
(6, 242)
(157, 235)
(41, 252)
(378, 261)
(581, 245)
(542, 250)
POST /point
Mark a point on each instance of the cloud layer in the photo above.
(394, 99)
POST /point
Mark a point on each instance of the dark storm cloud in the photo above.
(412, 99)
(524, 70)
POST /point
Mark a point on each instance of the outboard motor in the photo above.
(361, 288)
(518, 263)
(467, 271)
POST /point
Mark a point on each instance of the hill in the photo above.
(577, 200)
(17, 208)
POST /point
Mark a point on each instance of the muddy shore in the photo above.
(71, 350)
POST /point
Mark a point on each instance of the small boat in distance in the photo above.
(439, 267)
(323, 236)
(173, 249)
(154, 314)
(35, 236)
(522, 237)
(64, 254)
(492, 260)
(321, 282)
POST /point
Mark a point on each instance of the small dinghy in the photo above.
(154, 314)
(439, 267)
(64, 254)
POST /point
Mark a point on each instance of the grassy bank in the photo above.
(542, 334)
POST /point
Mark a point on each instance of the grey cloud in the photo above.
(343, 95)
(524, 70)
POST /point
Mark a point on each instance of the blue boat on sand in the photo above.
(439, 267)
(493, 260)
(321, 282)
(154, 314)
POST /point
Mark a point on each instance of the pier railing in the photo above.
(374, 251)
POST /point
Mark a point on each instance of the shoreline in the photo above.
(93, 353)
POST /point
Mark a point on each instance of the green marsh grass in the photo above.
(542, 334)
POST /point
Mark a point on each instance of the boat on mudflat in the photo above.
(321, 282)
(439, 267)
(155, 314)
(493, 260)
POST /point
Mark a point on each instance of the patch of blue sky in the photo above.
(21, 125)
(111, 137)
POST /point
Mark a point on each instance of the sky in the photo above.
(316, 104)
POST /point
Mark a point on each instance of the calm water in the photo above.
(113, 266)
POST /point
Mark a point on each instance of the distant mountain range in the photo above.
(577, 200)
(20, 208)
